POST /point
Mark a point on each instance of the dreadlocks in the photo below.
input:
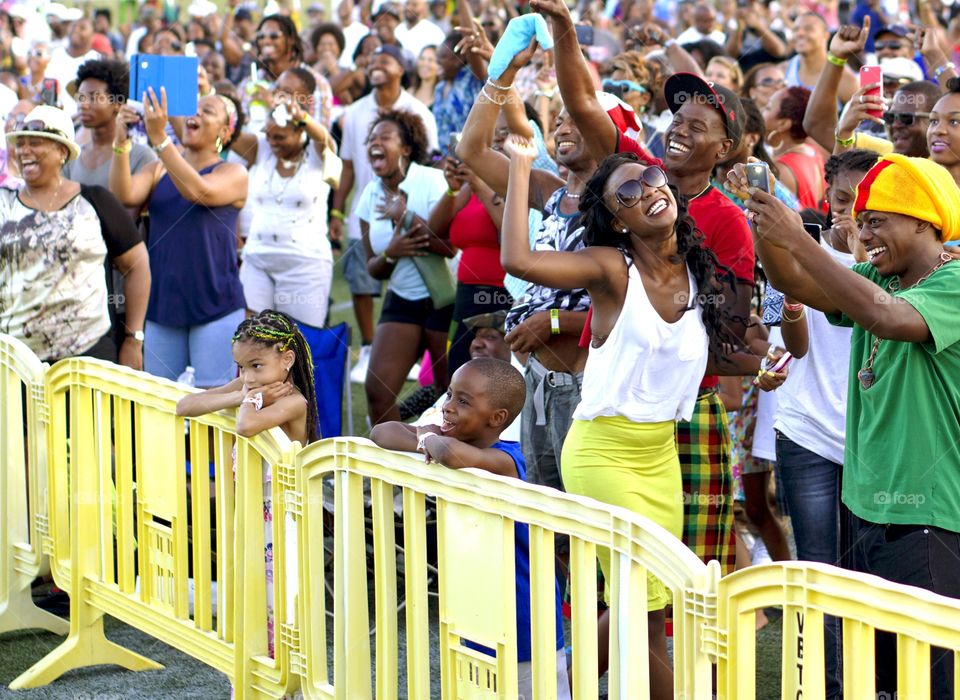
(276, 329)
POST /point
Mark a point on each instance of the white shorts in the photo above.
(525, 678)
(293, 284)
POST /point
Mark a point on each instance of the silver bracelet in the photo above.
(493, 83)
(162, 145)
(483, 91)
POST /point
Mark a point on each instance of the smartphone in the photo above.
(782, 363)
(868, 76)
(48, 92)
(758, 175)
(452, 144)
(815, 230)
(585, 34)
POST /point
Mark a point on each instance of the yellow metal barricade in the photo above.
(23, 484)
(475, 516)
(807, 592)
(133, 555)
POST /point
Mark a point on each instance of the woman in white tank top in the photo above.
(656, 312)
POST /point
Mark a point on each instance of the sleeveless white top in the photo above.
(648, 370)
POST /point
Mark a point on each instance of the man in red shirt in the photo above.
(707, 125)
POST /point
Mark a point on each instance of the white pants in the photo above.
(525, 678)
(290, 283)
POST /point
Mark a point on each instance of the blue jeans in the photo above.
(208, 348)
(811, 487)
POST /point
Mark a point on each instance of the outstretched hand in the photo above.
(554, 9)
(155, 115)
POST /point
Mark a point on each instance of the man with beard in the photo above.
(385, 74)
(417, 31)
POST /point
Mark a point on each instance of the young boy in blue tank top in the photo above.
(484, 397)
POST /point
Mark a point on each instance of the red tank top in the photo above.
(807, 167)
(474, 233)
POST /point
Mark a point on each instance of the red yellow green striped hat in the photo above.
(915, 187)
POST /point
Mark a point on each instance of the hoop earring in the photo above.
(770, 140)
(219, 144)
(403, 170)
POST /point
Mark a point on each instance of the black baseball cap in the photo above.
(682, 87)
(392, 50)
(897, 29)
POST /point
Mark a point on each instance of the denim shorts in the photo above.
(353, 262)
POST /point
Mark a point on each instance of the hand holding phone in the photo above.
(758, 175)
(870, 75)
(49, 91)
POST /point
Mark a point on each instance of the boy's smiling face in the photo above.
(467, 412)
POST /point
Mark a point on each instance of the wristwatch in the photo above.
(136, 335)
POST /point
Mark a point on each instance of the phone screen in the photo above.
(585, 34)
(868, 76)
(48, 92)
(758, 175)
(814, 230)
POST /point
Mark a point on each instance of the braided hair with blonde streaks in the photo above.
(276, 329)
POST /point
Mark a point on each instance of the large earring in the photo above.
(219, 144)
(304, 137)
(770, 140)
(403, 169)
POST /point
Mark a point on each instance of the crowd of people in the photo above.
(675, 256)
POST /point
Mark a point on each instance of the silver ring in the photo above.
(861, 99)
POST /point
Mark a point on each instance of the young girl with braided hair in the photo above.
(274, 390)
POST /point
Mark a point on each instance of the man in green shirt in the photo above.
(901, 474)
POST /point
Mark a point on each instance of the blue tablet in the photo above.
(178, 74)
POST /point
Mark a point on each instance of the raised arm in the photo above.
(550, 269)
(820, 119)
(230, 48)
(476, 47)
(475, 145)
(132, 190)
(224, 185)
(575, 82)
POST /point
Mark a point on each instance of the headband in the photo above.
(231, 112)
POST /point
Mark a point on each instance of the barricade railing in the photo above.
(475, 516)
(142, 531)
(864, 603)
(160, 522)
(23, 484)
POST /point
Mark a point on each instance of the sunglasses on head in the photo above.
(273, 36)
(904, 118)
(621, 87)
(892, 45)
(38, 126)
(631, 192)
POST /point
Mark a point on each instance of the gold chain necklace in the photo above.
(866, 375)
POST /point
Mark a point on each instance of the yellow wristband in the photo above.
(841, 62)
(337, 214)
(124, 147)
(845, 142)
(554, 321)
(452, 193)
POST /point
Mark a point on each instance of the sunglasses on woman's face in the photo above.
(630, 192)
(273, 36)
(38, 53)
(772, 82)
(904, 118)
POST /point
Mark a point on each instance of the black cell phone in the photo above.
(48, 92)
(815, 230)
(758, 175)
(585, 34)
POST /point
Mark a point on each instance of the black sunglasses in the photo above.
(904, 118)
(631, 192)
(273, 36)
(892, 45)
(37, 126)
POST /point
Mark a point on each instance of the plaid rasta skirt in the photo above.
(703, 445)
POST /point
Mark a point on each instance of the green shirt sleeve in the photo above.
(863, 269)
(937, 300)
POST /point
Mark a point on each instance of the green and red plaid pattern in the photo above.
(703, 444)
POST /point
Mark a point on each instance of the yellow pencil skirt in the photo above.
(631, 465)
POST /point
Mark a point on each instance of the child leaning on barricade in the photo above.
(484, 397)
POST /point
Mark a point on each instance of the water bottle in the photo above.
(188, 377)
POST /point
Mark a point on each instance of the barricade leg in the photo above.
(86, 646)
(19, 613)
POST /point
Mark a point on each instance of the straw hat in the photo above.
(48, 123)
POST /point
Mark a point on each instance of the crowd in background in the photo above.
(563, 188)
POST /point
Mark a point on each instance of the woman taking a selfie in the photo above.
(194, 198)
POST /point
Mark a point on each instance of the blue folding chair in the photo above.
(330, 348)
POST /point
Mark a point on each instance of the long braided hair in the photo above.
(276, 329)
(709, 274)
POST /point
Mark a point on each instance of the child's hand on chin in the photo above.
(271, 393)
(422, 432)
